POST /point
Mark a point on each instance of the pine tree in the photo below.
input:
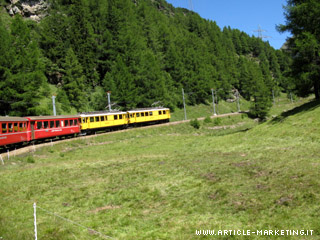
(25, 78)
(122, 86)
(5, 62)
(303, 22)
(81, 37)
(260, 93)
(74, 81)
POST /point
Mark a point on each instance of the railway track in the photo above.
(33, 148)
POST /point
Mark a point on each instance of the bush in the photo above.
(195, 123)
(217, 121)
(30, 159)
(207, 120)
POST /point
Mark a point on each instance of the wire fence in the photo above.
(70, 221)
(36, 216)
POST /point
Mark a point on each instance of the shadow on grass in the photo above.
(303, 108)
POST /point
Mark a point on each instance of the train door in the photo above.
(32, 131)
(132, 117)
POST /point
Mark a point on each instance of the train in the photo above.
(15, 131)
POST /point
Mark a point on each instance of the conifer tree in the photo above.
(24, 80)
(121, 83)
(303, 22)
(74, 81)
(5, 62)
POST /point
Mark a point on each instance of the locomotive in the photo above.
(22, 130)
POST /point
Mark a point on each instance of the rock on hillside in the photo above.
(33, 9)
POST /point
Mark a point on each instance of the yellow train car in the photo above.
(102, 120)
(148, 115)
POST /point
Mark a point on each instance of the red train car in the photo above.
(53, 126)
(13, 130)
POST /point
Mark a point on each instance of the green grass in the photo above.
(204, 110)
(166, 182)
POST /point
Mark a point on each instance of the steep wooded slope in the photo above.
(142, 51)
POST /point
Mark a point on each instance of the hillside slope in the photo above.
(168, 182)
(143, 51)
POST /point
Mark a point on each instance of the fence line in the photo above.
(75, 223)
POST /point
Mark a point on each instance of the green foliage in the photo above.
(74, 81)
(30, 159)
(195, 123)
(217, 121)
(144, 52)
(304, 45)
(207, 120)
(64, 100)
(21, 72)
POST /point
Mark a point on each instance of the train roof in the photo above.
(52, 117)
(147, 109)
(13, 119)
(103, 113)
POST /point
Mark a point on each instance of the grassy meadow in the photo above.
(169, 181)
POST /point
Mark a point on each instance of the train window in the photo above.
(57, 123)
(39, 125)
(66, 123)
(71, 122)
(25, 126)
(147, 114)
(84, 120)
(97, 119)
(101, 118)
(106, 117)
(21, 127)
(164, 112)
(75, 122)
(138, 114)
(45, 124)
(4, 127)
(92, 119)
(15, 127)
(131, 115)
(120, 116)
(10, 127)
(142, 114)
(115, 117)
(150, 113)
(51, 124)
(160, 113)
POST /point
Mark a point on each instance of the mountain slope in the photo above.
(145, 52)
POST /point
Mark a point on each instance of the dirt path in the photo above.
(33, 148)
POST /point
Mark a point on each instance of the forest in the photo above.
(142, 51)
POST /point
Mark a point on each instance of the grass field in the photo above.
(205, 110)
(167, 182)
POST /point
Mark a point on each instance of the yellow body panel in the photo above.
(103, 121)
(92, 121)
(148, 116)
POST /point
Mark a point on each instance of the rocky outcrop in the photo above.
(33, 9)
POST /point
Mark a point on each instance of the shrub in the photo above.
(207, 120)
(195, 123)
(217, 121)
(30, 159)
